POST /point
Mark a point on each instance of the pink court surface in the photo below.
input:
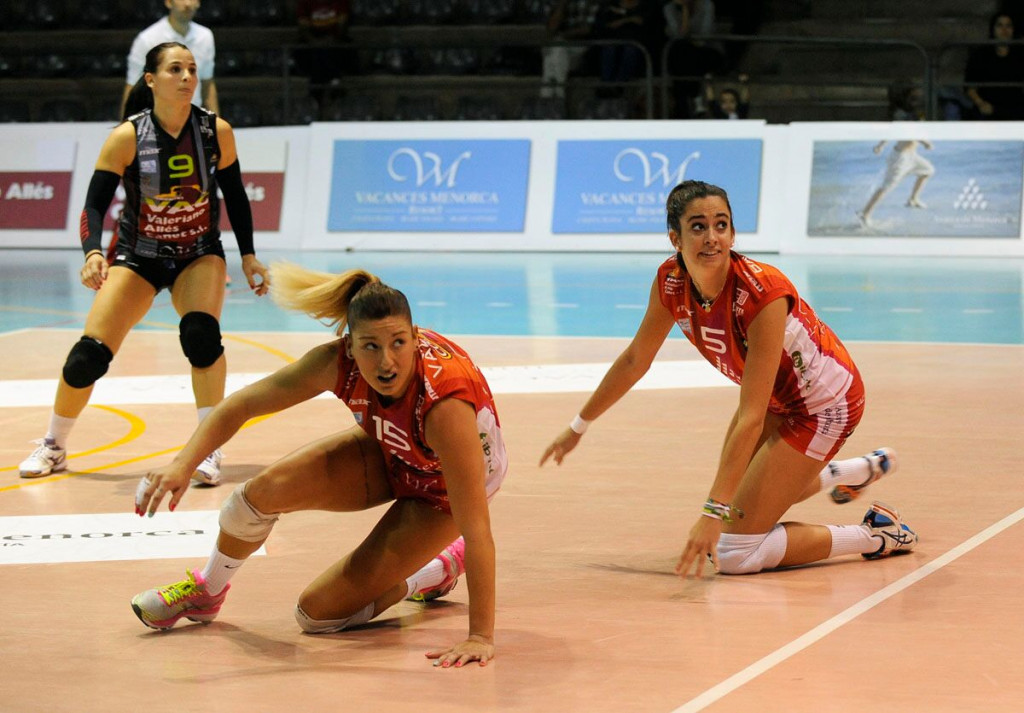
(590, 616)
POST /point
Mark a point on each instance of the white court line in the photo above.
(15, 331)
(827, 627)
(530, 379)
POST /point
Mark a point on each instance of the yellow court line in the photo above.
(118, 464)
(241, 340)
(137, 425)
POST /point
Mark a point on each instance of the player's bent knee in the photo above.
(239, 519)
(747, 554)
(328, 626)
(87, 361)
(199, 333)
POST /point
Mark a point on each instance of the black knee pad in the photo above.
(87, 361)
(200, 339)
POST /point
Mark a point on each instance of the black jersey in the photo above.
(171, 208)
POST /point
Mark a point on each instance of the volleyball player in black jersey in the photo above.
(171, 157)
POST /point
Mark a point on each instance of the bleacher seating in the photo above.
(460, 51)
(359, 107)
(63, 110)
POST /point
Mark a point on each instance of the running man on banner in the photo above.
(903, 161)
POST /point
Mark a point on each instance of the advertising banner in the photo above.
(35, 183)
(621, 186)
(445, 185)
(916, 188)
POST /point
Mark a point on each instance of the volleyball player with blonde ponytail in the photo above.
(426, 438)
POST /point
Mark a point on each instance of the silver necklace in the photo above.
(704, 302)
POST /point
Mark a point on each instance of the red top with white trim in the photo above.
(815, 369)
(443, 370)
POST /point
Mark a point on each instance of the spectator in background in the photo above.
(1000, 64)
(569, 20)
(746, 20)
(729, 103)
(629, 21)
(906, 102)
(323, 29)
(177, 27)
(687, 57)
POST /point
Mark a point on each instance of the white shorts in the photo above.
(905, 163)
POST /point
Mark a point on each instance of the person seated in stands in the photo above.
(994, 75)
(906, 102)
(688, 58)
(729, 103)
(569, 20)
(323, 30)
(631, 22)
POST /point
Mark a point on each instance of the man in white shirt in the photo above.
(178, 27)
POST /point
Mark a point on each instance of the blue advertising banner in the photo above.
(621, 186)
(904, 188)
(447, 185)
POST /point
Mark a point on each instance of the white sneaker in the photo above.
(881, 462)
(45, 459)
(883, 522)
(208, 472)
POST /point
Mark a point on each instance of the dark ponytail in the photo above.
(140, 97)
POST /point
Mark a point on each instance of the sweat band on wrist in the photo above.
(578, 425)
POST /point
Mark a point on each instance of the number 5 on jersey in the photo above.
(711, 342)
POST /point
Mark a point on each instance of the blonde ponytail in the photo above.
(339, 300)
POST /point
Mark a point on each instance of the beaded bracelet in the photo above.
(721, 511)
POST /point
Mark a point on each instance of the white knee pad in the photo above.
(329, 626)
(241, 520)
(747, 554)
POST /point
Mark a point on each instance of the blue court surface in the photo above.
(886, 299)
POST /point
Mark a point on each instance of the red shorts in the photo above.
(821, 435)
(407, 482)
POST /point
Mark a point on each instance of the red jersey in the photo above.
(443, 370)
(815, 368)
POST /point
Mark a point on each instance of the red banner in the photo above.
(265, 191)
(34, 200)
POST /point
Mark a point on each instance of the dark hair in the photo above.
(995, 18)
(686, 193)
(140, 97)
(735, 94)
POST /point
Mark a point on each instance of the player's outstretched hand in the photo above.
(157, 483)
(475, 648)
(701, 547)
(561, 446)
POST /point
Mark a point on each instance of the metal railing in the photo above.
(938, 72)
(832, 42)
(646, 81)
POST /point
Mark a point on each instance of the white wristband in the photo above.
(578, 425)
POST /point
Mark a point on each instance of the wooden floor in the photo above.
(590, 616)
